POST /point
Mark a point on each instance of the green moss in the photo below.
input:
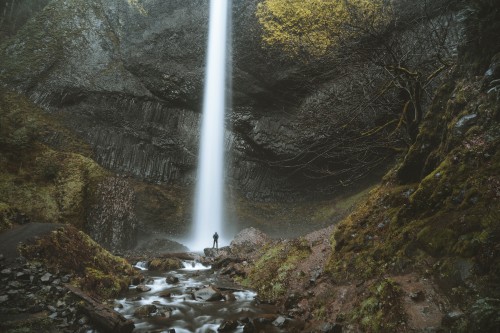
(445, 223)
(271, 273)
(381, 311)
(33, 324)
(45, 184)
(104, 285)
(438, 241)
(96, 270)
(164, 264)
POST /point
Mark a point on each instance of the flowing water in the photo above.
(210, 180)
(176, 309)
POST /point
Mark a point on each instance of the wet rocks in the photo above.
(172, 279)
(142, 288)
(227, 326)
(145, 310)
(225, 261)
(208, 294)
(164, 264)
(213, 253)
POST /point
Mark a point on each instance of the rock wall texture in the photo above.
(127, 77)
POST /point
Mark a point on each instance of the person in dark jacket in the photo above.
(216, 241)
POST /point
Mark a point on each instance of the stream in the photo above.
(172, 307)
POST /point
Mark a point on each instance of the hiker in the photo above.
(216, 241)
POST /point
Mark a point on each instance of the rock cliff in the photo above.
(126, 77)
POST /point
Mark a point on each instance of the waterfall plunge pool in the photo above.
(172, 306)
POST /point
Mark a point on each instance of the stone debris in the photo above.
(29, 289)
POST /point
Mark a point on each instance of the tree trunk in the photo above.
(103, 317)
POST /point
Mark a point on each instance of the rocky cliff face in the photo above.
(127, 77)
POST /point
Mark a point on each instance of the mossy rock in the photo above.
(96, 270)
(45, 184)
(164, 264)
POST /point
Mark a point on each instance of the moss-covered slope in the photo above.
(451, 214)
(38, 182)
(432, 224)
(94, 269)
(424, 249)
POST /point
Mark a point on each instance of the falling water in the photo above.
(208, 213)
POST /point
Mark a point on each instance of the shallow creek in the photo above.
(177, 310)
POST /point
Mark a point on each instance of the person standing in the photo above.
(216, 241)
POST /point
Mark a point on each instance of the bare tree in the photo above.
(368, 103)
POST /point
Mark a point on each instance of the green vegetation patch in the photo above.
(73, 252)
(164, 264)
(382, 310)
(33, 323)
(450, 214)
(271, 272)
(44, 184)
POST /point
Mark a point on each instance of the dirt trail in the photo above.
(10, 239)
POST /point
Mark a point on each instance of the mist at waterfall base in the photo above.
(209, 202)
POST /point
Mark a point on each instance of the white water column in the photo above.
(209, 199)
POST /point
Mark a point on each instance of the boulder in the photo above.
(145, 310)
(227, 326)
(220, 252)
(248, 240)
(248, 326)
(172, 279)
(208, 294)
(280, 321)
(142, 288)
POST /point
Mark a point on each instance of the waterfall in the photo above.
(209, 205)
